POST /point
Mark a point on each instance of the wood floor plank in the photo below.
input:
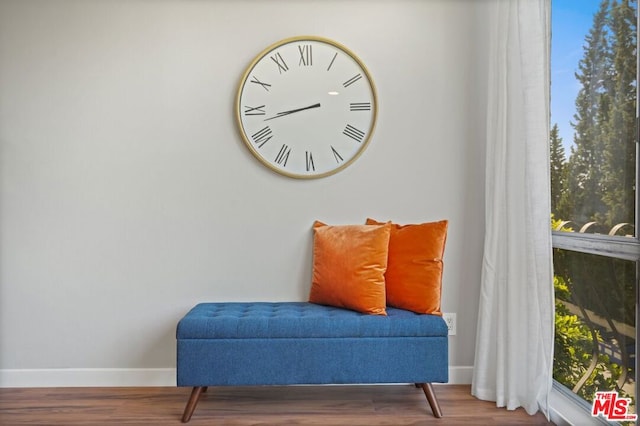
(394, 405)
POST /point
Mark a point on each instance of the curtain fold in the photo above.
(514, 347)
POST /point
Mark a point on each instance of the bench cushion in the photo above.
(261, 343)
(301, 320)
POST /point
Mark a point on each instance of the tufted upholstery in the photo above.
(304, 343)
(259, 343)
(301, 320)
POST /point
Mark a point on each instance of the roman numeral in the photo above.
(336, 155)
(283, 155)
(352, 80)
(353, 133)
(262, 136)
(282, 65)
(259, 110)
(360, 106)
(306, 56)
(265, 86)
(310, 165)
(331, 63)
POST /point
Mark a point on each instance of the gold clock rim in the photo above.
(259, 57)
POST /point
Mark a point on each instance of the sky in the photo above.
(570, 23)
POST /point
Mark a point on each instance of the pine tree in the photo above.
(619, 137)
(557, 168)
(582, 200)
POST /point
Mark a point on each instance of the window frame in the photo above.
(626, 248)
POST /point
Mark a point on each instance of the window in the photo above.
(594, 170)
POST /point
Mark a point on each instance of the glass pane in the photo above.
(595, 324)
(593, 110)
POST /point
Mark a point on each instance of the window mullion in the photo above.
(627, 248)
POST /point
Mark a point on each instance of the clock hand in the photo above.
(291, 111)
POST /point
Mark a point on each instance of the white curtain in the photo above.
(514, 347)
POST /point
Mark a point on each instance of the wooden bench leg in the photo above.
(431, 397)
(191, 404)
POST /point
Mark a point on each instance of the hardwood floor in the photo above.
(393, 405)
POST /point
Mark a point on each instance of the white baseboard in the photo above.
(87, 377)
(460, 375)
(115, 377)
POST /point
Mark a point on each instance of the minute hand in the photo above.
(291, 111)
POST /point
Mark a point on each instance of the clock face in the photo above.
(306, 107)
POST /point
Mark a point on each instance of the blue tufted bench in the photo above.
(240, 344)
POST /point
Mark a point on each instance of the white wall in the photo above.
(127, 195)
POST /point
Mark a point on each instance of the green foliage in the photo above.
(555, 225)
(574, 351)
(576, 344)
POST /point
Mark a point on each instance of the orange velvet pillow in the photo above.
(414, 270)
(349, 263)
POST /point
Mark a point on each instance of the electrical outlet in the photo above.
(450, 319)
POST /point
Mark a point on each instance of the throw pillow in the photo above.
(414, 270)
(349, 263)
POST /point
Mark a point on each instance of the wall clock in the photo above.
(306, 107)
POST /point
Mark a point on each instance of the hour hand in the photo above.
(291, 111)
